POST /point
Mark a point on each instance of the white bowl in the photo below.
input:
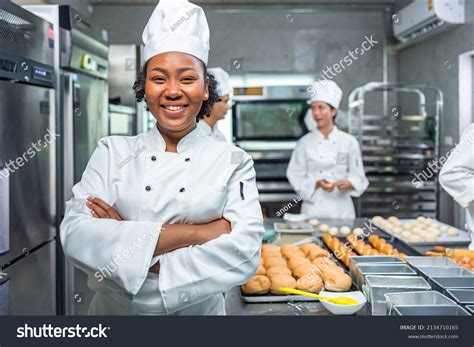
(294, 218)
(343, 309)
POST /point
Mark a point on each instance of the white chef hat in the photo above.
(222, 79)
(177, 26)
(326, 91)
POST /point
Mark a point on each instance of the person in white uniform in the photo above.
(326, 167)
(208, 125)
(167, 221)
(457, 176)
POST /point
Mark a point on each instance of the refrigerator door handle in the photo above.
(4, 211)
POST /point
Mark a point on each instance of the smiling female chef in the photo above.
(457, 177)
(326, 167)
(184, 204)
(219, 109)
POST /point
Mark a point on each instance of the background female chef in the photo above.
(326, 167)
(219, 109)
(185, 205)
(457, 176)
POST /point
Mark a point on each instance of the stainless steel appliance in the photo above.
(80, 61)
(398, 144)
(266, 122)
(28, 142)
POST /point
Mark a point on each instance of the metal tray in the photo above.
(454, 282)
(377, 286)
(427, 298)
(445, 271)
(462, 296)
(439, 310)
(370, 259)
(443, 239)
(293, 228)
(430, 261)
(470, 308)
(380, 269)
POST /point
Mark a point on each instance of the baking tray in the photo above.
(377, 286)
(445, 283)
(294, 228)
(379, 269)
(444, 271)
(425, 298)
(470, 308)
(438, 310)
(462, 239)
(370, 259)
(462, 296)
(430, 261)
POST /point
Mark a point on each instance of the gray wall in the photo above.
(435, 61)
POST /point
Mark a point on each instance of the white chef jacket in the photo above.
(457, 176)
(213, 132)
(205, 180)
(336, 158)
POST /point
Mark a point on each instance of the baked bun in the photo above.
(293, 263)
(307, 247)
(270, 247)
(310, 283)
(295, 254)
(336, 281)
(274, 261)
(278, 270)
(261, 271)
(281, 281)
(305, 269)
(257, 285)
(315, 253)
(288, 248)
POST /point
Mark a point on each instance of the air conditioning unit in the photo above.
(423, 18)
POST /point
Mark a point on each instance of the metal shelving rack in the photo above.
(396, 147)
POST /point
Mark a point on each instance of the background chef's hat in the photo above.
(327, 91)
(177, 26)
(222, 79)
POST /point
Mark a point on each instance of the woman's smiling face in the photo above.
(175, 88)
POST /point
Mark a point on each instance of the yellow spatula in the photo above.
(340, 300)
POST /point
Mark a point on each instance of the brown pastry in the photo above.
(293, 263)
(311, 283)
(274, 261)
(278, 270)
(257, 285)
(294, 254)
(304, 269)
(307, 247)
(336, 281)
(315, 253)
(261, 271)
(281, 281)
(271, 254)
(288, 248)
(270, 247)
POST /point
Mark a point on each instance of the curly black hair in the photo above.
(139, 90)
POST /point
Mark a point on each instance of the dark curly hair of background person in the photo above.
(139, 89)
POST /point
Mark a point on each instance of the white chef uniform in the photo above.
(457, 176)
(336, 158)
(205, 180)
(212, 132)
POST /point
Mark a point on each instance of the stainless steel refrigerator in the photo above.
(28, 142)
(81, 64)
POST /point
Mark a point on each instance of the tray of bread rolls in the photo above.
(422, 231)
(306, 265)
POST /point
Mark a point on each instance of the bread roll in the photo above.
(294, 254)
(288, 248)
(311, 283)
(271, 255)
(305, 269)
(274, 261)
(308, 247)
(261, 271)
(336, 281)
(315, 253)
(270, 247)
(257, 285)
(293, 263)
(278, 270)
(281, 281)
